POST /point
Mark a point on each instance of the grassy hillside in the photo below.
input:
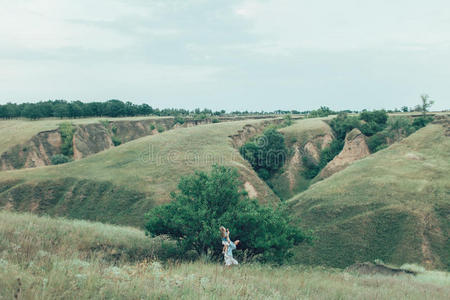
(121, 184)
(45, 258)
(393, 205)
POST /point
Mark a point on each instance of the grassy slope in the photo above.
(18, 131)
(303, 130)
(393, 205)
(121, 184)
(299, 133)
(56, 258)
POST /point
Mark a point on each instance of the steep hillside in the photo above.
(121, 184)
(393, 205)
(304, 138)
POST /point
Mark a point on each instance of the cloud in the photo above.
(347, 25)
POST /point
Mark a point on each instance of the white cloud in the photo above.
(288, 25)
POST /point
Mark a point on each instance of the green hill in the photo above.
(393, 205)
(121, 184)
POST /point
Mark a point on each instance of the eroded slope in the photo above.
(392, 205)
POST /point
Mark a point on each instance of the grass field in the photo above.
(121, 184)
(46, 258)
(393, 205)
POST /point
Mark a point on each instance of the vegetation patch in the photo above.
(207, 201)
(67, 130)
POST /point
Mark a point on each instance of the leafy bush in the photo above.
(422, 121)
(152, 126)
(287, 121)
(215, 120)
(206, 201)
(323, 111)
(105, 123)
(66, 130)
(179, 120)
(58, 159)
(376, 141)
(160, 128)
(116, 140)
(343, 124)
(377, 116)
(266, 153)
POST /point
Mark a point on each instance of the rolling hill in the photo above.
(393, 205)
(121, 184)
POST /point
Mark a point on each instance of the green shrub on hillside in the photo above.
(207, 201)
(323, 111)
(116, 140)
(58, 159)
(160, 128)
(266, 153)
(179, 120)
(343, 124)
(422, 121)
(152, 126)
(67, 130)
(215, 120)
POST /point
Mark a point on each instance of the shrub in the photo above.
(377, 116)
(422, 121)
(66, 130)
(268, 151)
(215, 120)
(58, 159)
(179, 120)
(116, 140)
(160, 128)
(105, 123)
(206, 201)
(376, 141)
(152, 126)
(323, 111)
(343, 124)
(287, 121)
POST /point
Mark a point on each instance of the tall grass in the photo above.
(45, 258)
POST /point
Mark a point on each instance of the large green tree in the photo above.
(206, 201)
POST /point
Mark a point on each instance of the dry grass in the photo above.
(59, 269)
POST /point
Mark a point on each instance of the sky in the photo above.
(227, 54)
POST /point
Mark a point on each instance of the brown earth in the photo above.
(355, 148)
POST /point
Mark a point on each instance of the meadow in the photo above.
(53, 258)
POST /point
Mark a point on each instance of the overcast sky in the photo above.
(230, 54)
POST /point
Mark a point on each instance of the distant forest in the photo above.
(114, 108)
(117, 108)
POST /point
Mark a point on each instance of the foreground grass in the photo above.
(45, 258)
